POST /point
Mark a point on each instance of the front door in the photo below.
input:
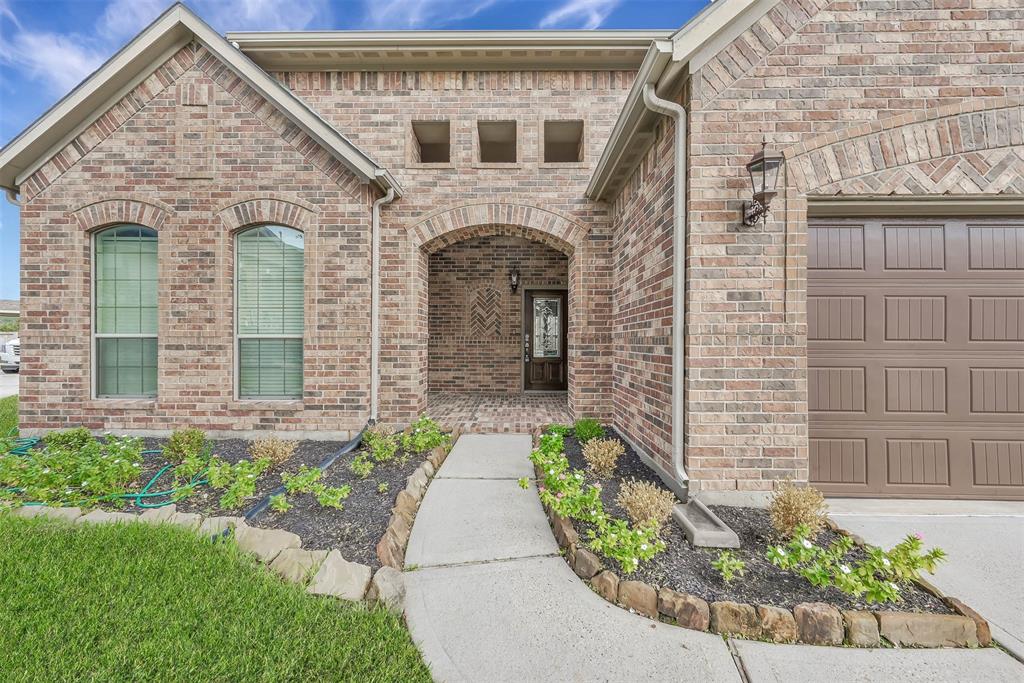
(544, 340)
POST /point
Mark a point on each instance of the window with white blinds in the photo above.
(125, 311)
(269, 312)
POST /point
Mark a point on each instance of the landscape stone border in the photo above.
(815, 623)
(322, 572)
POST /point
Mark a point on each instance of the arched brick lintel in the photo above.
(149, 212)
(267, 210)
(456, 224)
(976, 126)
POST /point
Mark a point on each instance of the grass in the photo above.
(139, 602)
(8, 414)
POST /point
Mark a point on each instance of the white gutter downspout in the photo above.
(375, 301)
(678, 113)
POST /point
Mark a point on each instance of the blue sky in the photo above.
(48, 46)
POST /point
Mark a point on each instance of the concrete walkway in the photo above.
(489, 599)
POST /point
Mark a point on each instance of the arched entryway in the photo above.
(500, 314)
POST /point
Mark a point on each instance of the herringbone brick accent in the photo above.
(485, 314)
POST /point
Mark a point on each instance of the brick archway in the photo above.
(291, 212)
(141, 211)
(557, 230)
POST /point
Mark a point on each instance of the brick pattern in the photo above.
(484, 412)
(475, 321)
(864, 96)
(129, 174)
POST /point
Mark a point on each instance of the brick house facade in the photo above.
(881, 107)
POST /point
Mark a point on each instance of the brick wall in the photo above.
(248, 165)
(475, 321)
(375, 110)
(828, 76)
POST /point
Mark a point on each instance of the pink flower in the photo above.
(560, 495)
(918, 536)
(542, 489)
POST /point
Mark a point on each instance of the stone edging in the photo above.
(392, 545)
(815, 623)
(323, 572)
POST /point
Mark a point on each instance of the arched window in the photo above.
(125, 311)
(269, 312)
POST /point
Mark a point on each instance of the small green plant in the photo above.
(878, 577)
(303, 481)
(238, 480)
(423, 435)
(332, 496)
(524, 483)
(279, 503)
(729, 566)
(382, 487)
(587, 429)
(361, 466)
(559, 429)
(184, 444)
(381, 443)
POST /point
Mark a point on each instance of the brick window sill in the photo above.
(266, 404)
(121, 403)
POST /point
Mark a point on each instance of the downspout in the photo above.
(375, 301)
(12, 196)
(678, 113)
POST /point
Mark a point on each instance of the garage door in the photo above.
(916, 357)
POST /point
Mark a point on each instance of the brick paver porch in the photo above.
(488, 413)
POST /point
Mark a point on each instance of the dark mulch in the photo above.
(206, 500)
(355, 530)
(688, 570)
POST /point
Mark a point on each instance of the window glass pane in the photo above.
(125, 280)
(270, 281)
(126, 366)
(270, 368)
(547, 327)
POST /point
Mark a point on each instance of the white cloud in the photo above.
(59, 61)
(586, 14)
(399, 14)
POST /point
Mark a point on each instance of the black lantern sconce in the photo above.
(513, 279)
(764, 170)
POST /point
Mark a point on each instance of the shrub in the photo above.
(303, 481)
(423, 435)
(729, 566)
(238, 480)
(646, 503)
(184, 444)
(559, 429)
(361, 466)
(279, 503)
(273, 449)
(877, 578)
(381, 442)
(602, 455)
(794, 506)
(587, 429)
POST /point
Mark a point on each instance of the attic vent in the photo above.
(497, 141)
(433, 141)
(563, 141)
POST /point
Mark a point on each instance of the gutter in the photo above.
(375, 298)
(678, 115)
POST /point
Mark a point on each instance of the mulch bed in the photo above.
(688, 570)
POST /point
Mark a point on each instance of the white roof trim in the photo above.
(176, 26)
(628, 143)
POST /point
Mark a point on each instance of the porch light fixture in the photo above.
(513, 279)
(764, 176)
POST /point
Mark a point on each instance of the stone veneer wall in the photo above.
(475, 320)
(827, 76)
(195, 154)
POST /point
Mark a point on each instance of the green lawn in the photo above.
(8, 414)
(137, 602)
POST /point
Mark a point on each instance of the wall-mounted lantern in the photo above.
(513, 279)
(764, 177)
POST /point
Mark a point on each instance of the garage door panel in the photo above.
(916, 358)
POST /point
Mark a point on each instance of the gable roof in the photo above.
(686, 51)
(171, 31)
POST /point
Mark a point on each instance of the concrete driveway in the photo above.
(8, 384)
(984, 541)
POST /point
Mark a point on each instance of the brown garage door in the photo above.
(916, 357)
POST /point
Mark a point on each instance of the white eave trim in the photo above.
(174, 27)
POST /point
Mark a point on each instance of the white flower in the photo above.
(636, 561)
(780, 551)
(46, 471)
(579, 476)
(894, 586)
(85, 483)
(844, 569)
(886, 562)
(807, 544)
(643, 546)
(117, 461)
(551, 471)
